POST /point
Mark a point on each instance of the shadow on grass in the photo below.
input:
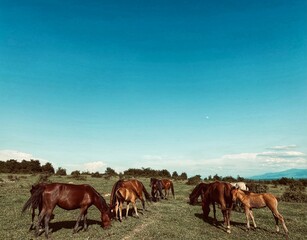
(220, 224)
(58, 225)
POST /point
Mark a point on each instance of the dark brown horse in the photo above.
(258, 200)
(218, 192)
(197, 191)
(200, 190)
(69, 197)
(132, 185)
(157, 185)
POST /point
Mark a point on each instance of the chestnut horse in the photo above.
(258, 200)
(69, 197)
(157, 185)
(125, 195)
(218, 192)
(197, 191)
(200, 190)
(132, 185)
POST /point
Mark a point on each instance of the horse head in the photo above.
(234, 193)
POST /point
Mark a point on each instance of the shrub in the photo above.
(294, 196)
(194, 180)
(44, 178)
(96, 175)
(257, 187)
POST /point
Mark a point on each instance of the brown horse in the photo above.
(218, 192)
(199, 190)
(157, 185)
(125, 195)
(132, 185)
(69, 197)
(258, 200)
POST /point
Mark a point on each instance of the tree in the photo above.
(175, 175)
(48, 168)
(61, 172)
(75, 173)
(216, 177)
(194, 180)
(183, 176)
(110, 172)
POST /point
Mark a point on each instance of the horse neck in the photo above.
(241, 196)
(196, 192)
(100, 203)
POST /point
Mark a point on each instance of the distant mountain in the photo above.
(291, 173)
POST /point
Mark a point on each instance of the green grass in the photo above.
(167, 219)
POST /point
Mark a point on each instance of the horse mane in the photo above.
(196, 191)
(35, 199)
(101, 198)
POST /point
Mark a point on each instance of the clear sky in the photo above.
(202, 87)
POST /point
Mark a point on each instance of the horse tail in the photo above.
(147, 196)
(172, 189)
(35, 200)
(113, 195)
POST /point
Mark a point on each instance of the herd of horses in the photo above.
(45, 197)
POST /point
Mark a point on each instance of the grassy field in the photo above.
(167, 219)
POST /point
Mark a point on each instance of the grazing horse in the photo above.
(125, 195)
(69, 197)
(197, 191)
(132, 185)
(157, 185)
(218, 192)
(258, 200)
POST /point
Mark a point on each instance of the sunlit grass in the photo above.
(167, 219)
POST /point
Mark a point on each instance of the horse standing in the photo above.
(132, 185)
(258, 200)
(241, 185)
(69, 197)
(125, 195)
(157, 185)
(218, 192)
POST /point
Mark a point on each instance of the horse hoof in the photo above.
(228, 231)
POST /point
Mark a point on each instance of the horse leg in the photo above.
(226, 219)
(247, 217)
(47, 219)
(33, 216)
(251, 214)
(277, 217)
(214, 211)
(127, 209)
(135, 209)
(85, 220)
(78, 220)
(39, 222)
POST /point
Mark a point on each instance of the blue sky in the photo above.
(201, 87)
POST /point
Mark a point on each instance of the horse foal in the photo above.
(124, 195)
(258, 200)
